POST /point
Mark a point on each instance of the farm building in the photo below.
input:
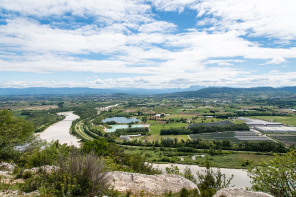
(125, 138)
(128, 137)
(260, 123)
(276, 129)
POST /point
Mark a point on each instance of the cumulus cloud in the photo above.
(276, 60)
(272, 18)
(125, 36)
(111, 10)
(274, 79)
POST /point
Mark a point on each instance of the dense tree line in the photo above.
(41, 119)
(85, 111)
(213, 146)
(204, 129)
(13, 132)
(131, 131)
(257, 113)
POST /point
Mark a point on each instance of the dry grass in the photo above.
(41, 107)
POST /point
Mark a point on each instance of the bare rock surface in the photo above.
(12, 193)
(6, 166)
(151, 184)
(239, 192)
(46, 169)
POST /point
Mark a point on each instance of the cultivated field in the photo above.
(286, 139)
(288, 120)
(233, 136)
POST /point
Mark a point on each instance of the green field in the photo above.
(98, 128)
(155, 128)
(288, 120)
(227, 160)
(227, 135)
(18, 113)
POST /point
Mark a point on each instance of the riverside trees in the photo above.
(276, 176)
(14, 132)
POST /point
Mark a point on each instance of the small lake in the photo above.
(121, 120)
(114, 127)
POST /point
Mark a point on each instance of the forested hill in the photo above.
(210, 92)
(213, 92)
(90, 91)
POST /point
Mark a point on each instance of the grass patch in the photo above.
(230, 159)
(288, 120)
(154, 133)
(98, 128)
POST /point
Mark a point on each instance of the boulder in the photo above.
(150, 184)
(17, 193)
(46, 169)
(6, 166)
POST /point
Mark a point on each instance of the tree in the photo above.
(276, 176)
(144, 119)
(61, 105)
(14, 132)
(210, 182)
(99, 146)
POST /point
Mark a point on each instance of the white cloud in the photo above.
(126, 37)
(172, 5)
(269, 18)
(207, 78)
(157, 26)
(276, 60)
(272, 18)
(28, 35)
(114, 10)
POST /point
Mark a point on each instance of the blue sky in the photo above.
(147, 44)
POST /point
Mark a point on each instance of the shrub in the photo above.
(276, 176)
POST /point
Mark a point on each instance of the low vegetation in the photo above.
(276, 176)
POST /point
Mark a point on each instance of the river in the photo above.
(240, 179)
(61, 131)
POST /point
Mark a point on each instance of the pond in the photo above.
(121, 120)
(61, 131)
(114, 127)
(240, 179)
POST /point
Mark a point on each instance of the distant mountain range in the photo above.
(195, 91)
(230, 92)
(89, 91)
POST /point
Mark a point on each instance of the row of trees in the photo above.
(131, 131)
(193, 145)
(41, 119)
(204, 129)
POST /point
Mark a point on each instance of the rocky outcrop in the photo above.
(239, 192)
(6, 166)
(150, 184)
(47, 169)
(7, 177)
(15, 193)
